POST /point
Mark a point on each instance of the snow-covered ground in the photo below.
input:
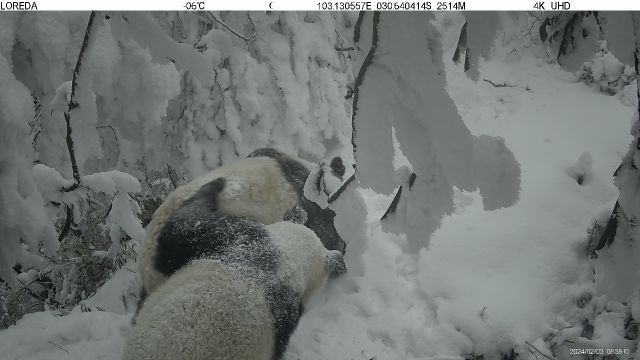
(489, 281)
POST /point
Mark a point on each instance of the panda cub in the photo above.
(242, 305)
(267, 187)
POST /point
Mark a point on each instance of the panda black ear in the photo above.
(337, 167)
(208, 193)
(335, 263)
(211, 189)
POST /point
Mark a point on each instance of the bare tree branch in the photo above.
(356, 30)
(76, 70)
(72, 155)
(73, 104)
(363, 69)
(247, 39)
(341, 189)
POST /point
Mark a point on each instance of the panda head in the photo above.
(320, 218)
(322, 187)
(304, 263)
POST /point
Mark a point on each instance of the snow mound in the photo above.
(582, 170)
(606, 71)
(76, 336)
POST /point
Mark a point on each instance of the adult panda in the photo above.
(242, 305)
(266, 187)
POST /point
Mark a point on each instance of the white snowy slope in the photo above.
(523, 267)
(488, 282)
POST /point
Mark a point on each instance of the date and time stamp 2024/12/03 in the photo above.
(599, 351)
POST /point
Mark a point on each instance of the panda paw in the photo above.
(335, 263)
(296, 215)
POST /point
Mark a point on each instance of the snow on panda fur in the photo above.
(262, 187)
(230, 309)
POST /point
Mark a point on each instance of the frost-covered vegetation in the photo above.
(104, 114)
(474, 244)
(606, 72)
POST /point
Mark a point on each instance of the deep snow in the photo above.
(488, 281)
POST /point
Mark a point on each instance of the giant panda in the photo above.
(264, 187)
(242, 305)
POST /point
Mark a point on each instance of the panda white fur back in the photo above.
(206, 310)
(255, 188)
(262, 187)
(221, 310)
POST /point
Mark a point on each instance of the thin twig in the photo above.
(47, 256)
(33, 294)
(106, 215)
(534, 354)
(252, 23)
(38, 277)
(115, 137)
(247, 39)
(499, 85)
(73, 104)
(173, 177)
(539, 352)
(67, 223)
(58, 346)
(534, 23)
